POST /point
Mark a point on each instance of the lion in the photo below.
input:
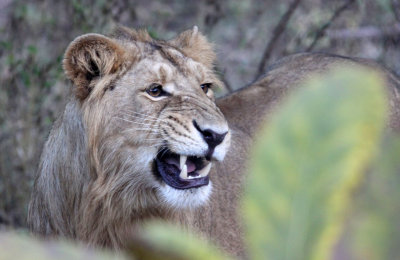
(143, 137)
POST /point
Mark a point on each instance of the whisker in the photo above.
(151, 121)
(154, 139)
(133, 122)
(165, 151)
(182, 108)
(138, 117)
(153, 130)
(146, 129)
(160, 152)
(142, 114)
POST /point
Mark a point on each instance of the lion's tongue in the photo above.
(191, 167)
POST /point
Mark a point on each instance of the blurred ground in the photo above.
(34, 35)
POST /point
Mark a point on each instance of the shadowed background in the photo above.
(248, 35)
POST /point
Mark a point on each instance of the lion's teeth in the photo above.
(182, 161)
(204, 172)
(183, 173)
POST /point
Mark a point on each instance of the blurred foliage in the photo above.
(374, 231)
(23, 247)
(164, 241)
(308, 162)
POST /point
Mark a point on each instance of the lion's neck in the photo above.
(120, 220)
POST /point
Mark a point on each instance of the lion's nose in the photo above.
(211, 137)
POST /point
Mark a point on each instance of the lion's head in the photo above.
(150, 114)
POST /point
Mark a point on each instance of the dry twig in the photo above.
(222, 73)
(396, 9)
(321, 31)
(365, 32)
(278, 30)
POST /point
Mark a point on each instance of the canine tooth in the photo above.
(183, 173)
(182, 160)
(204, 172)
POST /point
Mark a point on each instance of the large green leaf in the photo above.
(307, 162)
(164, 241)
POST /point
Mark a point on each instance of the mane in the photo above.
(124, 33)
(64, 174)
(191, 43)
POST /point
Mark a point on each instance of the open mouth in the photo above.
(182, 172)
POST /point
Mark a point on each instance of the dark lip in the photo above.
(170, 175)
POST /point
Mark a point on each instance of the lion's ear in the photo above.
(91, 56)
(195, 45)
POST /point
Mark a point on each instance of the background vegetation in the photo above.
(248, 35)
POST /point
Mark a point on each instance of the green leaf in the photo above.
(164, 241)
(32, 49)
(21, 246)
(373, 233)
(307, 162)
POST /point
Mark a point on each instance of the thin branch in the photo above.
(321, 31)
(222, 76)
(396, 9)
(213, 14)
(277, 32)
(365, 32)
(227, 85)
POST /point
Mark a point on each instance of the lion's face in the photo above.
(156, 127)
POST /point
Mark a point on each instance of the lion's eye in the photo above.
(205, 87)
(155, 90)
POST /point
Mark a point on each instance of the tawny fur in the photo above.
(93, 181)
